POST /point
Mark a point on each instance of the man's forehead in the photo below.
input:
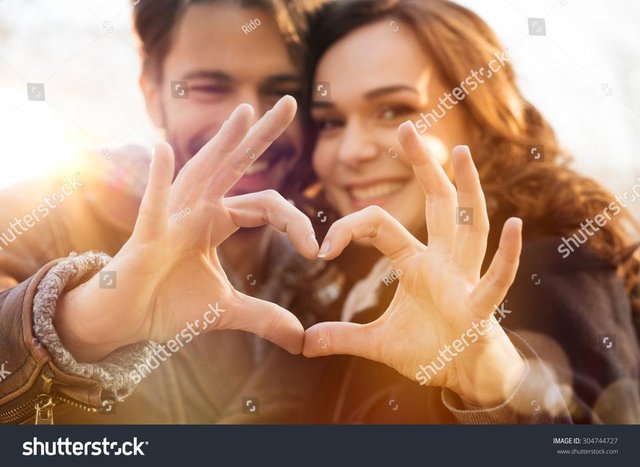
(210, 38)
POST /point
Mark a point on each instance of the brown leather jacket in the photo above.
(92, 207)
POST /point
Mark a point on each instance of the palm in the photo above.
(414, 303)
(173, 280)
(440, 295)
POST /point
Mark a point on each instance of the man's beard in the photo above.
(281, 151)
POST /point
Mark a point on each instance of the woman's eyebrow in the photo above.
(370, 95)
(389, 90)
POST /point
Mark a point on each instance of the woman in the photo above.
(373, 65)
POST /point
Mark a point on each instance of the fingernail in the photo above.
(461, 148)
(409, 124)
(312, 242)
(324, 251)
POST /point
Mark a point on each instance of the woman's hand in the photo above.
(168, 273)
(442, 311)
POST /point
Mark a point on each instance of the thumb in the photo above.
(269, 321)
(338, 338)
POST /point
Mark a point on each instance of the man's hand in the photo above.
(168, 273)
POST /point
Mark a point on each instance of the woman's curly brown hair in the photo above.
(551, 198)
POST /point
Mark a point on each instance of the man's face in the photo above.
(224, 65)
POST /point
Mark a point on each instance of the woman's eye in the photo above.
(393, 113)
(328, 124)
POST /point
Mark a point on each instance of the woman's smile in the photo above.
(374, 192)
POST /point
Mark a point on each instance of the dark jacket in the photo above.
(572, 313)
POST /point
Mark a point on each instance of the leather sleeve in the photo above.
(24, 360)
(42, 220)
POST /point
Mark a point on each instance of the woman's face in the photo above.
(374, 79)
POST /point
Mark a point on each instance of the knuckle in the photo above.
(375, 211)
(445, 192)
(272, 196)
(340, 224)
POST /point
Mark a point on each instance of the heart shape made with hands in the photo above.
(169, 271)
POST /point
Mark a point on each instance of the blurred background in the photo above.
(577, 60)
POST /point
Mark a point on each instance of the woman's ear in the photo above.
(151, 87)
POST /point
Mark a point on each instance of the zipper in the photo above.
(43, 403)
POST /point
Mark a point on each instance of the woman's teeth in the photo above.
(257, 167)
(378, 190)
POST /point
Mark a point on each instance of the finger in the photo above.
(494, 285)
(260, 136)
(338, 338)
(440, 193)
(269, 321)
(375, 226)
(471, 238)
(197, 173)
(154, 208)
(269, 207)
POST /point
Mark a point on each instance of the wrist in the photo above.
(497, 378)
(75, 321)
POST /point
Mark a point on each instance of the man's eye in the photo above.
(208, 89)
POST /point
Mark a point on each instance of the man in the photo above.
(201, 59)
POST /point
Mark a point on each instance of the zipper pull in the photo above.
(44, 402)
(44, 410)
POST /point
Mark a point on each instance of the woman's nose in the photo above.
(357, 145)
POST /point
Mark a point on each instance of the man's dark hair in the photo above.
(154, 22)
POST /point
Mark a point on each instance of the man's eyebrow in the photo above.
(216, 75)
(389, 90)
